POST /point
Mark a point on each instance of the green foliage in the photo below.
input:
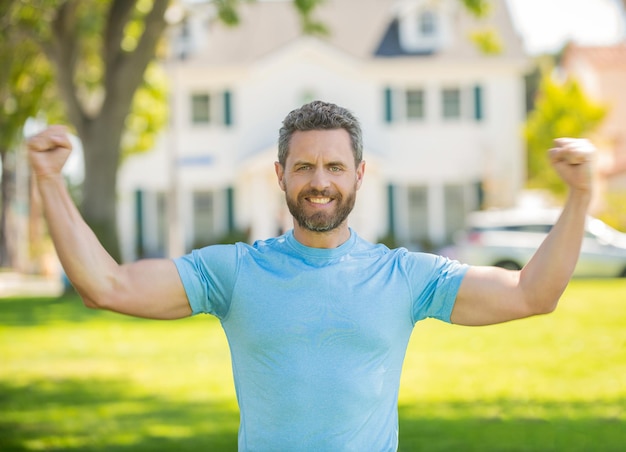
(309, 24)
(90, 67)
(148, 115)
(234, 236)
(26, 90)
(480, 8)
(32, 76)
(25, 79)
(614, 211)
(562, 109)
(488, 41)
(33, 16)
(389, 240)
(227, 12)
(533, 78)
(485, 38)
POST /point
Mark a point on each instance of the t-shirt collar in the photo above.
(321, 252)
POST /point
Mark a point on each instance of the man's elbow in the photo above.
(546, 306)
(93, 299)
(101, 294)
(541, 300)
(93, 302)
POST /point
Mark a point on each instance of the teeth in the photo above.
(319, 200)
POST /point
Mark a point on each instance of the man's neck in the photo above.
(330, 239)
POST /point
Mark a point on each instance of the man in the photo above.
(317, 320)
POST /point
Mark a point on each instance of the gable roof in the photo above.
(391, 46)
(599, 57)
(365, 29)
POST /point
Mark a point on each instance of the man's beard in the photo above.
(321, 221)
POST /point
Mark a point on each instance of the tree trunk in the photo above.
(6, 189)
(101, 142)
(101, 132)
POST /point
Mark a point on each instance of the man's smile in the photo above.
(319, 200)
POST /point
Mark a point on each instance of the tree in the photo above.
(111, 45)
(101, 50)
(561, 110)
(25, 88)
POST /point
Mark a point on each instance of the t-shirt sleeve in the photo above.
(208, 276)
(435, 282)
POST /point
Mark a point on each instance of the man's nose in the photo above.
(320, 179)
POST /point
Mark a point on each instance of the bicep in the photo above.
(489, 295)
(149, 288)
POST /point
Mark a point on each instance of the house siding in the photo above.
(446, 158)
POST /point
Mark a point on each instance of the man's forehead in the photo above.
(334, 142)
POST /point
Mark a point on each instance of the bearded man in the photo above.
(318, 319)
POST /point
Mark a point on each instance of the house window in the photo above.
(402, 104)
(417, 214)
(212, 108)
(162, 225)
(451, 100)
(200, 108)
(203, 219)
(427, 24)
(150, 223)
(455, 209)
(415, 108)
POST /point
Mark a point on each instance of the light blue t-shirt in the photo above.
(318, 336)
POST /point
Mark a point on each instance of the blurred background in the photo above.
(175, 108)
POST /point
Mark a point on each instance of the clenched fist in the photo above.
(573, 158)
(48, 151)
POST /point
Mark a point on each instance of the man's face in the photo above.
(320, 179)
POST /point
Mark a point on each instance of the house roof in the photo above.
(365, 29)
(600, 57)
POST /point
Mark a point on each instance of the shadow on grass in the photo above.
(74, 414)
(108, 415)
(460, 430)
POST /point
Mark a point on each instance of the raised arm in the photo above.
(492, 295)
(148, 288)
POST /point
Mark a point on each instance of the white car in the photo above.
(508, 239)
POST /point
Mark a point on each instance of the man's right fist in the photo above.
(49, 150)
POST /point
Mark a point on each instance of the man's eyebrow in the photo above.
(331, 163)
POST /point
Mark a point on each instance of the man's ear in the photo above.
(360, 172)
(280, 173)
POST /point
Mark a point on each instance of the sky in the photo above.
(546, 25)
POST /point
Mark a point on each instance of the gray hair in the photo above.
(319, 115)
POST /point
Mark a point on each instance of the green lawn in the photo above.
(75, 379)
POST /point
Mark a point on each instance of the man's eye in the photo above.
(335, 169)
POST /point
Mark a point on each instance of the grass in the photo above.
(75, 379)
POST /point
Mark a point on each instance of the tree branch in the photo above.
(130, 67)
(6, 8)
(63, 52)
(119, 14)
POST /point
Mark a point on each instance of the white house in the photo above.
(441, 121)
